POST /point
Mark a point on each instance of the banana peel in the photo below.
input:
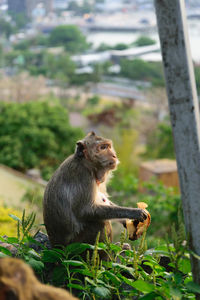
(136, 228)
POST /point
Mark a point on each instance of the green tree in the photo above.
(6, 28)
(144, 41)
(35, 134)
(160, 142)
(138, 69)
(70, 37)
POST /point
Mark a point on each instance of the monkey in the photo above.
(76, 205)
(18, 282)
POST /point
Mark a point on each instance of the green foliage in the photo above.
(6, 28)
(94, 100)
(35, 134)
(70, 37)
(144, 41)
(163, 203)
(129, 273)
(138, 69)
(38, 40)
(160, 142)
(120, 46)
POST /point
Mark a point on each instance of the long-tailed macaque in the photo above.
(18, 282)
(75, 205)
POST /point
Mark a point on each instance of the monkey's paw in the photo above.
(137, 226)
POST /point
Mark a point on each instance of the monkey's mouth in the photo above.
(113, 164)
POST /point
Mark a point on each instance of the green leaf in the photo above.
(184, 265)
(102, 292)
(193, 287)
(75, 263)
(112, 277)
(143, 286)
(90, 281)
(37, 265)
(150, 296)
(5, 251)
(15, 218)
(51, 256)
(12, 240)
(78, 248)
(59, 274)
(76, 286)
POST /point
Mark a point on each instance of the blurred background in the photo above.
(69, 67)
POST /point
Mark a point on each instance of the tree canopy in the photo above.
(68, 36)
(35, 135)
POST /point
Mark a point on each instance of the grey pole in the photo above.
(184, 114)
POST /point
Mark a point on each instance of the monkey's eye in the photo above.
(104, 146)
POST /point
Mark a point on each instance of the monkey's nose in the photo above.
(114, 156)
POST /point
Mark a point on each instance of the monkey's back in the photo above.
(68, 193)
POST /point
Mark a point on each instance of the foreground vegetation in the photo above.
(137, 273)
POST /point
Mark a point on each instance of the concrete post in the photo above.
(184, 113)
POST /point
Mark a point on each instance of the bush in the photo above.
(144, 41)
(138, 69)
(35, 135)
(160, 143)
(68, 36)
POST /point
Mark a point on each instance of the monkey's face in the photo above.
(104, 155)
(99, 151)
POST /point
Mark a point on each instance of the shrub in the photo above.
(35, 135)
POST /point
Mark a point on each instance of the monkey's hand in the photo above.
(136, 227)
(140, 214)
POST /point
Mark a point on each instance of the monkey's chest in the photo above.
(102, 199)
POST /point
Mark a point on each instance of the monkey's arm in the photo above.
(103, 212)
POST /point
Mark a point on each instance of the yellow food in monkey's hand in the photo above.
(136, 228)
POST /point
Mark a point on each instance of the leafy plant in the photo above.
(136, 272)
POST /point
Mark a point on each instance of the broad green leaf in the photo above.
(37, 265)
(12, 240)
(184, 265)
(150, 296)
(59, 274)
(143, 286)
(51, 256)
(5, 251)
(78, 248)
(102, 292)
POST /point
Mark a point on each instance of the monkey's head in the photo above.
(98, 150)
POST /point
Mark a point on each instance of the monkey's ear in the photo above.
(92, 133)
(79, 149)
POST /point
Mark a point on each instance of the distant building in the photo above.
(17, 6)
(27, 7)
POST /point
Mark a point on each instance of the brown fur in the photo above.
(18, 282)
(74, 208)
